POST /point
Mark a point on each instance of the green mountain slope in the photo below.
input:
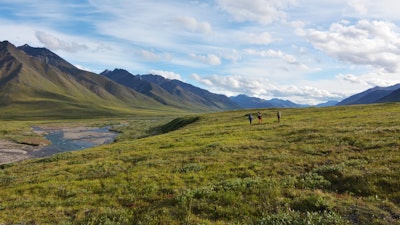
(336, 165)
(35, 81)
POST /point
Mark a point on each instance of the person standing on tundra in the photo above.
(250, 118)
(278, 114)
(259, 115)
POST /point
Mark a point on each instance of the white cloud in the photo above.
(143, 23)
(166, 74)
(308, 93)
(359, 6)
(286, 57)
(202, 80)
(152, 56)
(17, 34)
(351, 78)
(259, 39)
(383, 9)
(55, 43)
(90, 53)
(374, 43)
(231, 54)
(235, 84)
(262, 87)
(290, 59)
(371, 79)
(254, 40)
(261, 11)
(209, 59)
(191, 24)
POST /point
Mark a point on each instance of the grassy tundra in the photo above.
(338, 165)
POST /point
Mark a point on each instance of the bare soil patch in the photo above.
(12, 152)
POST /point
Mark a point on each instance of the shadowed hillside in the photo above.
(374, 95)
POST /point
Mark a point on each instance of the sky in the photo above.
(305, 51)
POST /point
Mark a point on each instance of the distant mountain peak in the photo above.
(5, 45)
(106, 71)
(5, 42)
(120, 70)
(38, 51)
(253, 102)
(49, 57)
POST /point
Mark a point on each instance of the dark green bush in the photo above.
(311, 203)
(178, 123)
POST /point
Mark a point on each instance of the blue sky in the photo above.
(306, 51)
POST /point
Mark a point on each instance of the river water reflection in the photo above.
(72, 139)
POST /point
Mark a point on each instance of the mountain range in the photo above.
(252, 102)
(35, 82)
(370, 96)
(173, 93)
(374, 95)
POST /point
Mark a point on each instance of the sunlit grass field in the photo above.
(335, 165)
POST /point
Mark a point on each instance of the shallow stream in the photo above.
(64, 140)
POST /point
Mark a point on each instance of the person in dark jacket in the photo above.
(250, 118)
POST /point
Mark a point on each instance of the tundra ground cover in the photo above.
(337, 165)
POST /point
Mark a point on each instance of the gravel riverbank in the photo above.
(81, 136)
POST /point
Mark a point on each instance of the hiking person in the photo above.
(250, 118)
(278, 114)
(259, 115)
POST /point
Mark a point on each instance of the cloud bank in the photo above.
(373, 43)
(55, 44)
(306, 51)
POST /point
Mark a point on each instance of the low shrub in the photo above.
(298, 218)
(311, 203)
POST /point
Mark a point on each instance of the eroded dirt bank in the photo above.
(12, 152)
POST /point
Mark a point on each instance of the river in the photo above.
(72, 139)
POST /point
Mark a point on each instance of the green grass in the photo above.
(338, 165)
(59, 110)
